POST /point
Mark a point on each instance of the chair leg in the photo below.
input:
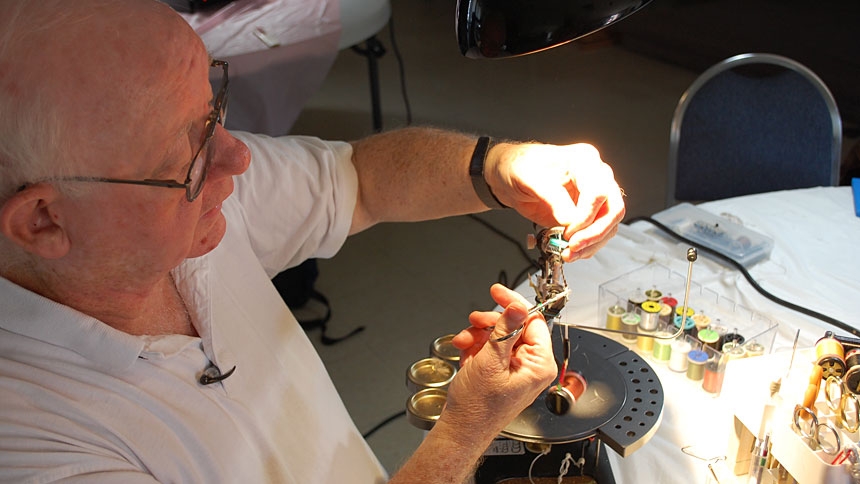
(373, 50)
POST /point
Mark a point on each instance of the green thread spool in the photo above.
(631, 324)
(663, 347)
(696, 364)
(709, 338)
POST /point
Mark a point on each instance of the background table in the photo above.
(280, 51)
(815, 263)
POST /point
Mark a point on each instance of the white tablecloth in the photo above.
(815, 263)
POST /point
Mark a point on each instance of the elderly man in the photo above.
(140, 338)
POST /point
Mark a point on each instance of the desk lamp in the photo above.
(507, 28)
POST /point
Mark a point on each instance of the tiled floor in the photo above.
(410, 283)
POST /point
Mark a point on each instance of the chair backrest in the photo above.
(753, 123)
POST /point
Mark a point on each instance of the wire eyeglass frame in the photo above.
(196, 176)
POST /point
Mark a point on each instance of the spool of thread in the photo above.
(830, 356)
(669, 301)
(852, 358)
(663, 347)
(678, 359)
(734, 351)
(630, 323)
(688, 326)
(702, 321)
(613, 317)
(635, 300)
(713, 377)
(653, 295)
(645, 343)
(754, 349)
(667, 314)
(851, 380)
(680, 309)
(734, 337)
(709, 338)
(696, 364)
(650, 315)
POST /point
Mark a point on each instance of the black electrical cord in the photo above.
(383, 424)
(502, 278)
(400, 69)
(737, 265)
(497, 231)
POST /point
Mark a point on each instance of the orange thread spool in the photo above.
(830, 356)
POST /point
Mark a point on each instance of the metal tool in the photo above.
(532, 310)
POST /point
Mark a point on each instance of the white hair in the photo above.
(32, 141)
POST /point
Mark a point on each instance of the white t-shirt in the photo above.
(80, 399)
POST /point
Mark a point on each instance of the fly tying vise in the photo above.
(551, 295)
(548, 286)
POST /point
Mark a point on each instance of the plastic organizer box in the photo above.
(649, 300)
(733, 240)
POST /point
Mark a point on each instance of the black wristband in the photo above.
(476, 173)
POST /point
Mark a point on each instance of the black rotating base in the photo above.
(621, 407)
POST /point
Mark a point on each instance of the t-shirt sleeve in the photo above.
(296, 199)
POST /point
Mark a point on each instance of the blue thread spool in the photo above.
(696, 364)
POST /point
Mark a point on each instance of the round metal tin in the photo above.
(429, 373)
(443, 349)
(424, 407)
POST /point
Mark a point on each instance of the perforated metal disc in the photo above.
(622, 403)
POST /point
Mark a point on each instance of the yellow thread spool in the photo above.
(613, 317)
(830, 356)
(645, 343)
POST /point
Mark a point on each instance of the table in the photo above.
(280, 51)
(815, 262)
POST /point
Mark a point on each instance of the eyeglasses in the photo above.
(199, 167)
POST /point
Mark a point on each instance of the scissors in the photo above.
(819, 435)
(844, 404)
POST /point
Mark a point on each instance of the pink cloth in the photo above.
(279, 52)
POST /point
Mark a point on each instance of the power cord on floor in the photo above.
(383, 424)
(502, 279)
(503, 276)
(400, 69)
(737, 265)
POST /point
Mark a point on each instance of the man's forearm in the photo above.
(413, 174)
(446, 456)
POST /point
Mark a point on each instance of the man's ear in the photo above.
(30, 220)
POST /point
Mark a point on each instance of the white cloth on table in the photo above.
(83, 401)
(815, 263)
(279, 53)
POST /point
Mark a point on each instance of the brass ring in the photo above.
(856, 412)
(833, 399)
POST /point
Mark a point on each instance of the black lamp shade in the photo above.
(506, 28)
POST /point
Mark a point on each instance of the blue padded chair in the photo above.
(753, 123)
